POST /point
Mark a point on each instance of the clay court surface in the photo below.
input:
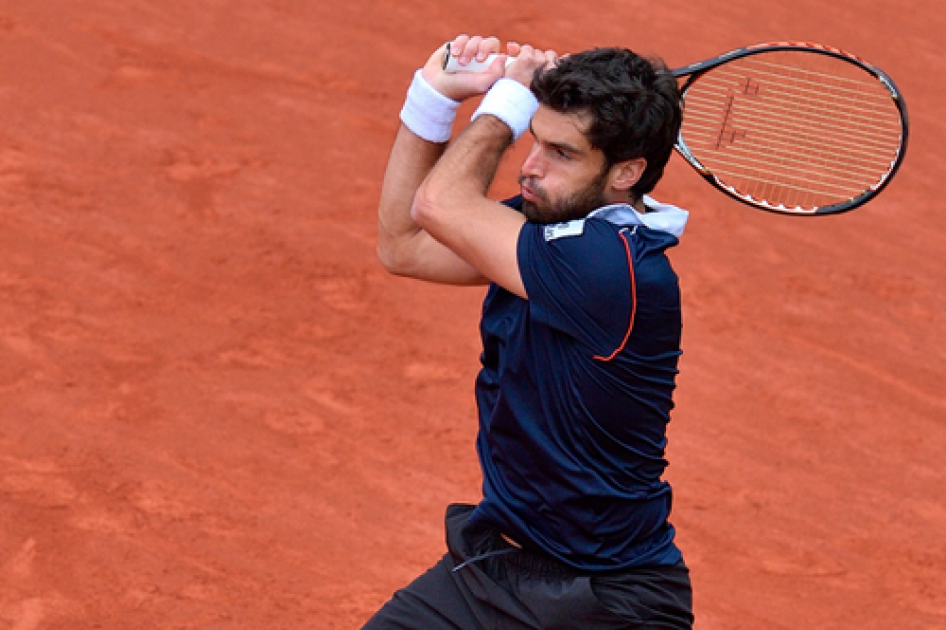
(218, 411)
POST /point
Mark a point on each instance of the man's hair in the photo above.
(633, 103)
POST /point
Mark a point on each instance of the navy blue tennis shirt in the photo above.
(575, 390)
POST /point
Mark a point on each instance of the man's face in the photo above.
(563, 178)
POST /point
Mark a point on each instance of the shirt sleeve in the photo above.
(579, 277)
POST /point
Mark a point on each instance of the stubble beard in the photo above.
(574, 206)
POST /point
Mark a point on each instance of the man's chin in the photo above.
(544, 215)
(535, 214)
(532, 212)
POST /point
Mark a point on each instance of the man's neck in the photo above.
(636, 202)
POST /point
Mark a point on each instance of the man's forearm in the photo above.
(409, 164)
(452, 206)
(403, 247)
(466, 170)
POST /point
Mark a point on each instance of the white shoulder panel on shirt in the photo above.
(659, 216)
(559, 230)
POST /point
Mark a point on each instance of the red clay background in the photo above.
(217, 410)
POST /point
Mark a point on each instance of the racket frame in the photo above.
(691, 73)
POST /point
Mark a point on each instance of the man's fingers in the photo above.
(458, 44)
(489, 46)
(475, 47)
(470, 49)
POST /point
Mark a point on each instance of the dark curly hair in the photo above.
(633, 102)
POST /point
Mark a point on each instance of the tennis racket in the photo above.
(789, 127)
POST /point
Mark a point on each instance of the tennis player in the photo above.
(581, 335)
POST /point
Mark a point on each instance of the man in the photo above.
(581, 335)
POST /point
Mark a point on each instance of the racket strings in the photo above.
(782, 129)
(801, 116)
(862, 160)
(813, 120)
(865, 145)
(852, 87)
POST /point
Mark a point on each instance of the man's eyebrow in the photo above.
(564, 146)
(561, 146)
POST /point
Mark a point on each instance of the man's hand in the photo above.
(461, 86)
(528, 61)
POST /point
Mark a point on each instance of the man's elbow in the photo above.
(386, 256)
(428, 205)
(394, 257)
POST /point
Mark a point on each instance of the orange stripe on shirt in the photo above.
(630, 325)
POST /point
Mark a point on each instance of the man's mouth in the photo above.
(528, 193)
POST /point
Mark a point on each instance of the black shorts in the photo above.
(484, 583)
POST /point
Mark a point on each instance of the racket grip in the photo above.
(451, 64)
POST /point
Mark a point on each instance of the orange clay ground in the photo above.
(218, 411)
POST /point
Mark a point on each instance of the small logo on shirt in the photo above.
(559, 230)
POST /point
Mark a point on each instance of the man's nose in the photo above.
(532, 166)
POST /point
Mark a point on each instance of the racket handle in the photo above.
(451, 64)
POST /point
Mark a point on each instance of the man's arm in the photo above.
(403, 246)
(451, 205)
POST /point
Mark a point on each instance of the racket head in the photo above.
(794, 128)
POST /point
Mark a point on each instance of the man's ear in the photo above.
(625, 174)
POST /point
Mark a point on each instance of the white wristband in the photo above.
(427, 112)
(511, 102)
